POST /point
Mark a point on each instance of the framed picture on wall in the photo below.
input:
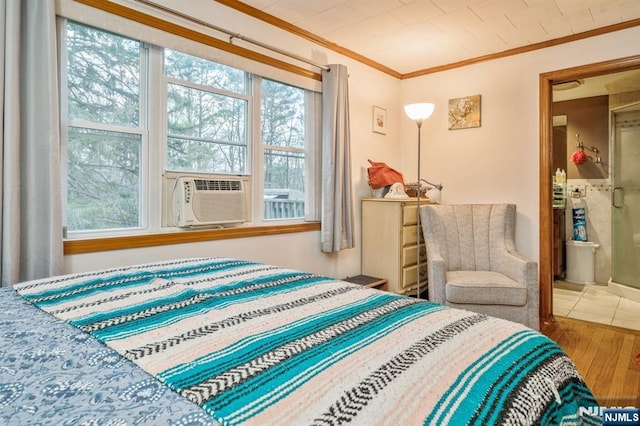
(464, 112)
(379, 124)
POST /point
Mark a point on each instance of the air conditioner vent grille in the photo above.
(217, 185)
(200, 201)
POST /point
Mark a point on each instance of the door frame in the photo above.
(545, 164)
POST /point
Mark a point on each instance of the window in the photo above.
(120, 138)
(283, 132)
(104, 136)
(207, 116)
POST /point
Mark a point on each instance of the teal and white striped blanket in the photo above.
(258, 344)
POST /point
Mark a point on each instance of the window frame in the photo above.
(142, 130)
(153, 167)
(312, 154)
(213, 90)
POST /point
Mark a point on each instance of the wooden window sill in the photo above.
(91, 245)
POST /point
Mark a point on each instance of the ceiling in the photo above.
(413, 35)
(607, 84)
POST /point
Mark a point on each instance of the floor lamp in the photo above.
(418, 113)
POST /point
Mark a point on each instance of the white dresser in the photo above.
(389, 243)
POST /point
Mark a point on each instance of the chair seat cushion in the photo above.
(484, 288)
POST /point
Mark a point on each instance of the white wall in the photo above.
(368, 87)
(499, 161)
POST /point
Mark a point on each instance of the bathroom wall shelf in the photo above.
(559, 195)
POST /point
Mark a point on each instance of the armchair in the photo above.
(473, 263)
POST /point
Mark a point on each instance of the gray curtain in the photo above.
(30, 210)
(337, 203)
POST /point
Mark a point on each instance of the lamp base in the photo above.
(412, 190)
(413, 193)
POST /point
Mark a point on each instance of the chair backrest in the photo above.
(470, 237)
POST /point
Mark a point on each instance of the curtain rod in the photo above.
(232, 35)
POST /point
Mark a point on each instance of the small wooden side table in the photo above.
(367, 281)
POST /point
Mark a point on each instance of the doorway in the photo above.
(546, 166)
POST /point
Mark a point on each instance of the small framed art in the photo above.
(464, 112)
(379, 122)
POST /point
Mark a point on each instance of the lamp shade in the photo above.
(434, 195)
(419, 111)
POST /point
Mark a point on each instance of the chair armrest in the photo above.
(520, 269)
(436, 273)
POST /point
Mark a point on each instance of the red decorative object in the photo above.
(381, 175)
(578, 157)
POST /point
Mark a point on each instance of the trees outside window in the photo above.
(207, 115)
(104, 137)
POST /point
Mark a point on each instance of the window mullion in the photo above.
(106, 127)
(156, 130)
(204, 88)
(285, 148)
(64, 118)
(257, 166)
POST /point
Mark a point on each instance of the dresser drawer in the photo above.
(409, 255)
(409, 235)
(409, 278)
(410, 215)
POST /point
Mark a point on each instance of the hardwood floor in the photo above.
(605, 357)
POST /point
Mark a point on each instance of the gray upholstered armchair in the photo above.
(473, 263)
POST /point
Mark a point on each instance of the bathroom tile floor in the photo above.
(593, 302)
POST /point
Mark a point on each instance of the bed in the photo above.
(229, 341)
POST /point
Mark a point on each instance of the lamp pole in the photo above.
(419, 123)
(418, 112)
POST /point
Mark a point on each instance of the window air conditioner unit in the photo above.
(201, 202)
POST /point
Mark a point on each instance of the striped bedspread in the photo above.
(259, 344)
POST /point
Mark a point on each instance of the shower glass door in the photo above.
(625, 198)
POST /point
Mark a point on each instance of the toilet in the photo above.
(581, 266)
